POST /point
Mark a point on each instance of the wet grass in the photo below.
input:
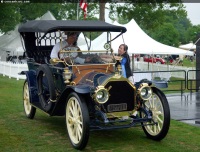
(189, 63)
(186, 63)
(44, 133)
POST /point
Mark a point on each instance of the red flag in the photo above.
(83, 5)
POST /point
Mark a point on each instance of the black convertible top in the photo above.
(68, 25)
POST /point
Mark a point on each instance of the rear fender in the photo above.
(32, 83)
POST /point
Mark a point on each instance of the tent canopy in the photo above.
(189, 46)
(138, 42)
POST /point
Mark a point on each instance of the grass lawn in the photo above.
(187, 63)
(48, 134)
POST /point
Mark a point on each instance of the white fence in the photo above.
(145, 66)
(11, 70)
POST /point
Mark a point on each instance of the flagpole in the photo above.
(77, 11)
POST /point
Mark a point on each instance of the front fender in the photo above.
(82, 89)
(157, 89)
(61, 102)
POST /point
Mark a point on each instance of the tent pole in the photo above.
(168, 62)
(133, 62)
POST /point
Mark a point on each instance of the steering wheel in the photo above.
(62, 54)
(68, 56)
(94, 58)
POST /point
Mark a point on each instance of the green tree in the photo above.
(178, 17)
(167, 34)
(10, 16)
(13, 14)
(33, 10)
(192, 32)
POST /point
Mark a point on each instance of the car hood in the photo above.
(94, 79)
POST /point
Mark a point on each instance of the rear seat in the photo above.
(40, 56)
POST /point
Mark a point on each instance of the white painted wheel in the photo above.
(28, 108)
(77, 121)
(159, 107)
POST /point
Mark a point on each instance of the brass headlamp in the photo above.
(145, 91)
(101, 95)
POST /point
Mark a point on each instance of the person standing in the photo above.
(125, 62)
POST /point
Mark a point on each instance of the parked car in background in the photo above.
(156, 59)
(169, 59)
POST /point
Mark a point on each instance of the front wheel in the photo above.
(158, 105)
(28, 108)
(77, 121)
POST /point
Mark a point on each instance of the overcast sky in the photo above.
(193, 10)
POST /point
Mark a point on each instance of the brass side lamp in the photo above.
(67, 75)
(119, 67)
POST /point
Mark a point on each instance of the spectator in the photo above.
(125, 62)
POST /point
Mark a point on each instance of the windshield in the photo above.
(74, 47)
(95, 49)
(73, 55)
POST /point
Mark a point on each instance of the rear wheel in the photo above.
(28, 108)
(77, 121)
(159, 107)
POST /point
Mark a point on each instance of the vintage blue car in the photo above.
(91, 95)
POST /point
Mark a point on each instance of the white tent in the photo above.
(138, 42)
(189, 46)
(47, 16)
(9, 43)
